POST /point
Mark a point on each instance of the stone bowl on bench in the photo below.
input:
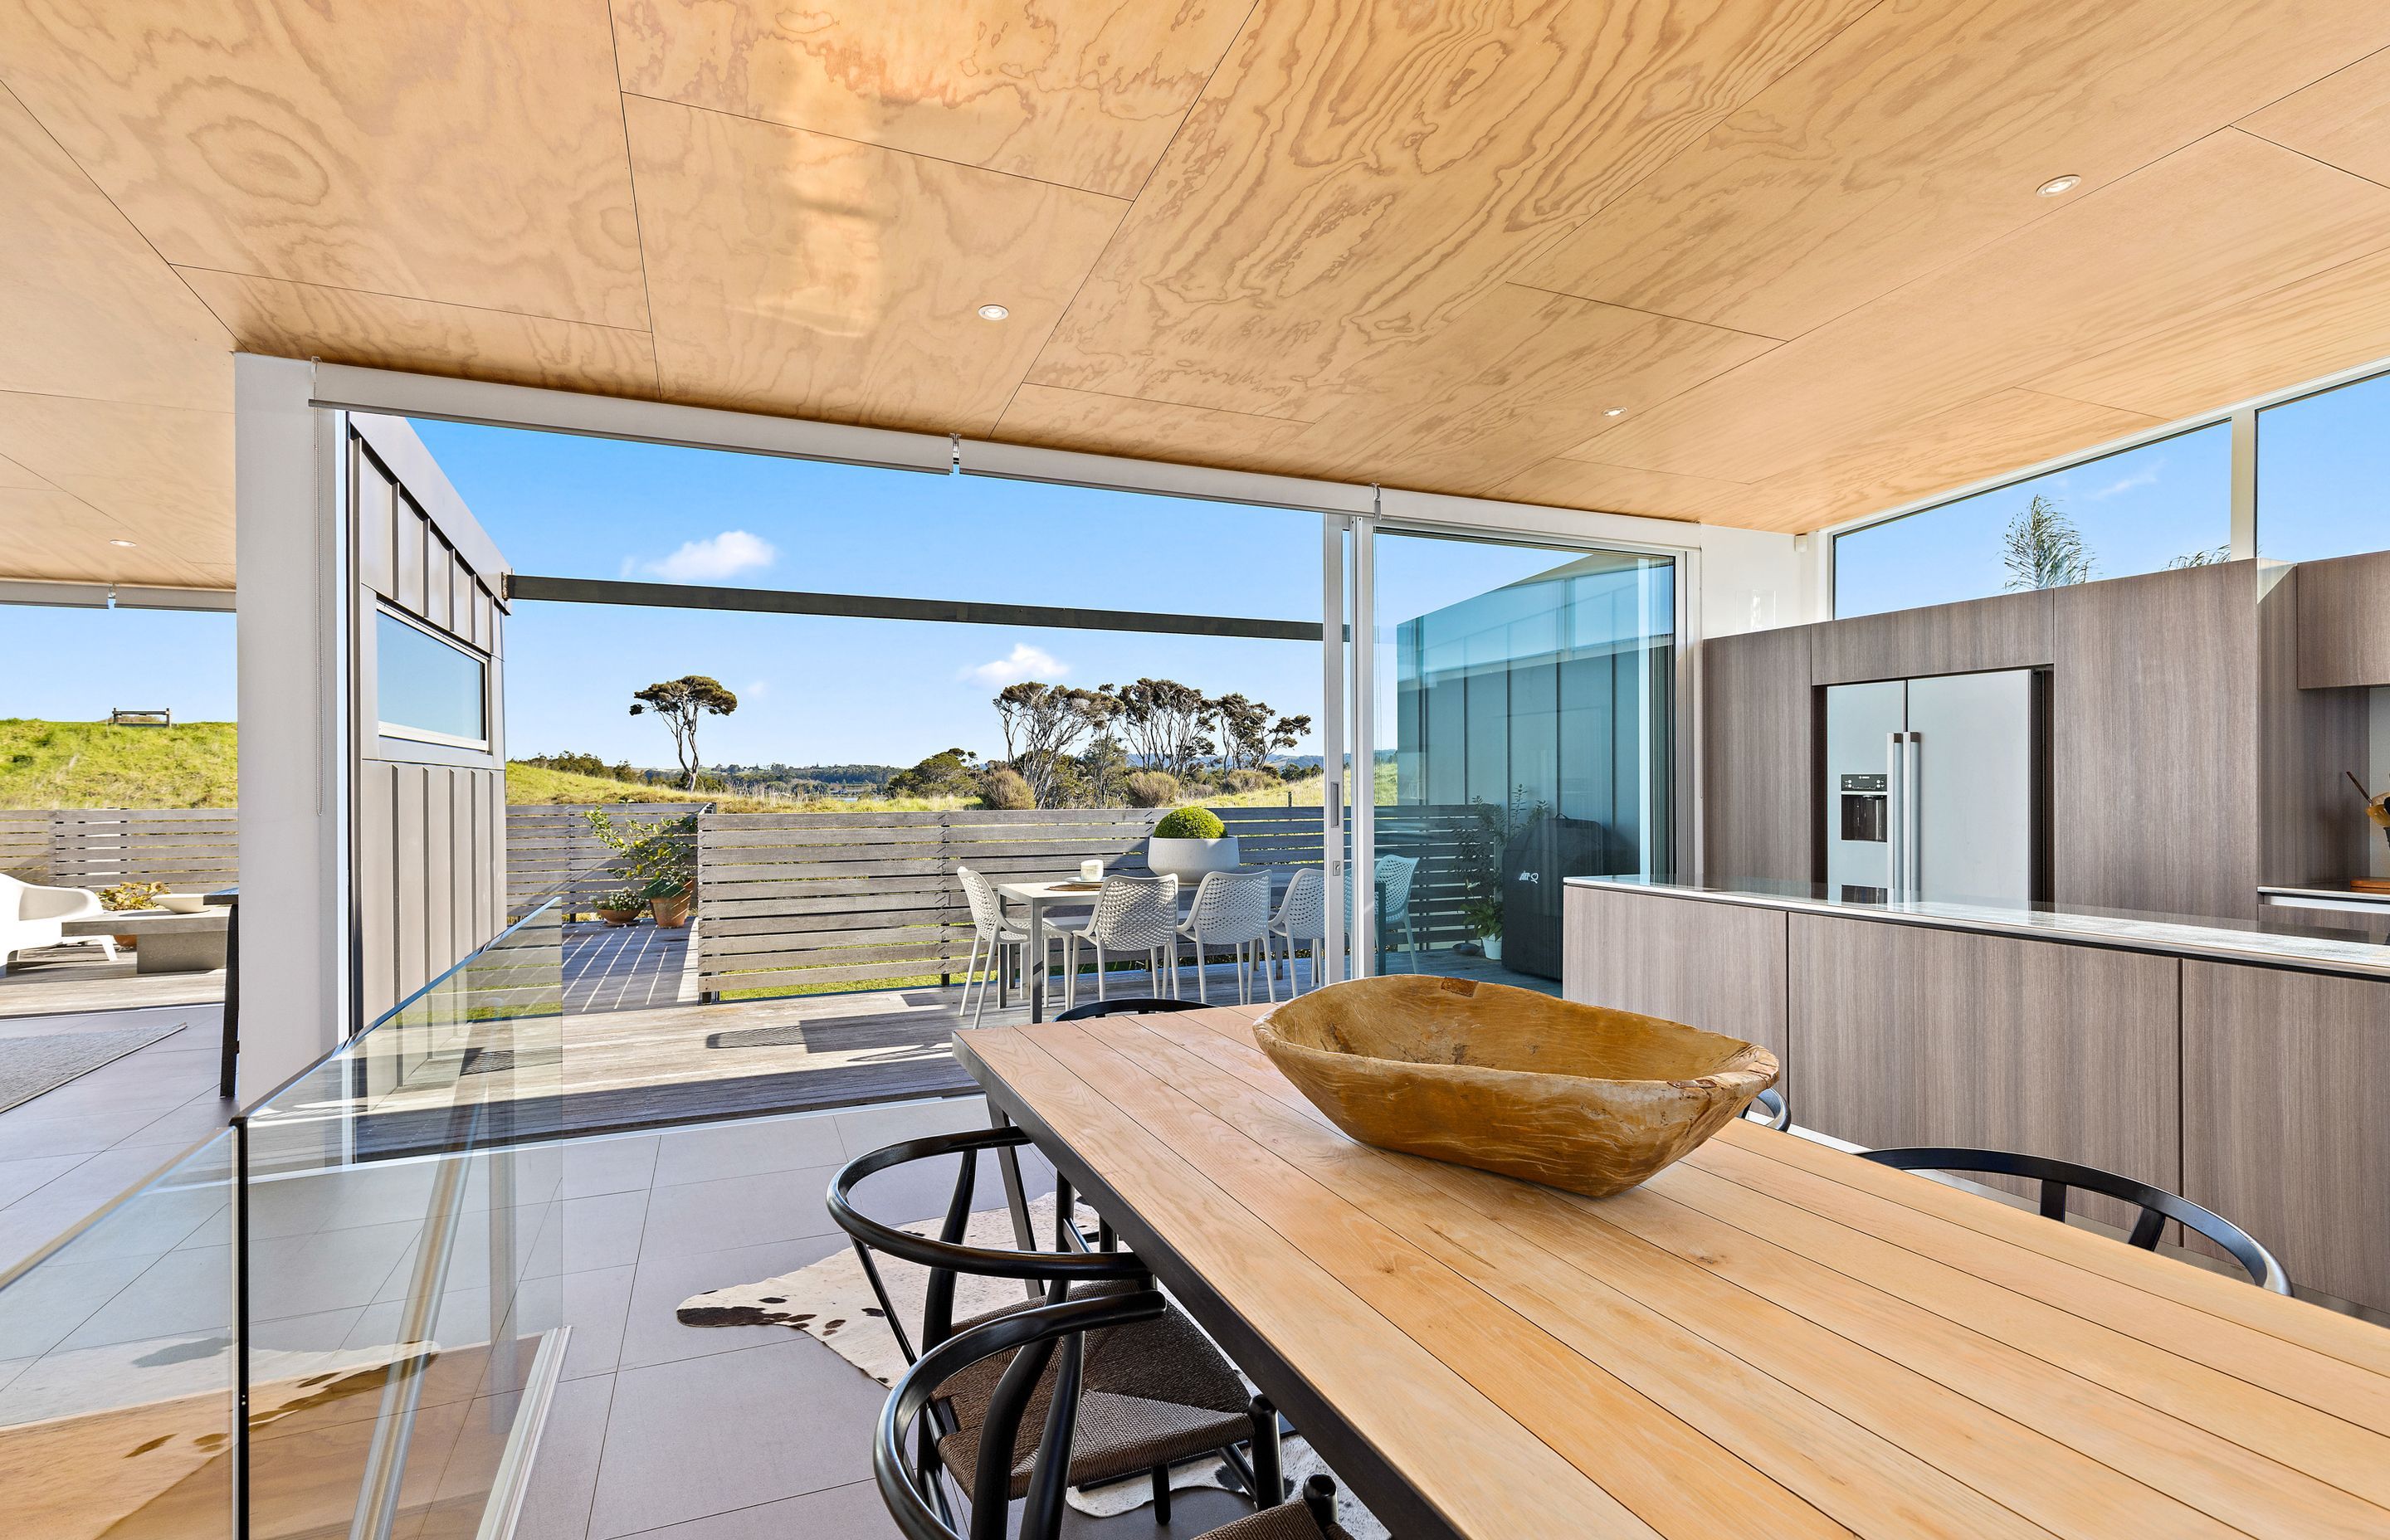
(1504, 1079)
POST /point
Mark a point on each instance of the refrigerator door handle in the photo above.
(1912, 876)
(1896, 785)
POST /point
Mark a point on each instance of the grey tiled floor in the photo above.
(69, 1150)
(664, 1431)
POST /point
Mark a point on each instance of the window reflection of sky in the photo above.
(2137, 510)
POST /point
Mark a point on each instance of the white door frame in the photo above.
(294, 663)
(1351, 672)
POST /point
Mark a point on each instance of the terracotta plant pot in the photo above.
(671, 909)
(1507, 1079)
(620, 917)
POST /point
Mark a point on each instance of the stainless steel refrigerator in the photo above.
(1937, 788)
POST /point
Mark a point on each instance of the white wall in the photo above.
(1752, 580)
(294, 904)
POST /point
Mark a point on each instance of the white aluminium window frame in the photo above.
(2242, 415)
(384, 727)
(340, 386)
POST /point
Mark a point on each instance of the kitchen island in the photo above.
(2242, 1064)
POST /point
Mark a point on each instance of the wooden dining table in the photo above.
(1771, 1337)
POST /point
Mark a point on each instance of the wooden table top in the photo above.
(1769, 1338)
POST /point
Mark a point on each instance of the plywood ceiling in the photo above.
(1766, 262)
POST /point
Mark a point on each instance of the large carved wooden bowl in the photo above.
(1507, 1079)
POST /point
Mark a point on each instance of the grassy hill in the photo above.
(93, 764)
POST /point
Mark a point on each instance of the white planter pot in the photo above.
(1189, 859)
(1493, 945)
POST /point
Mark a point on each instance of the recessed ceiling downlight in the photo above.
(128, 543)
(993, 312)
(2057, 185)
(1614, 412)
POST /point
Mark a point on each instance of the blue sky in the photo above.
(820, 690)
(825, 690)
(2136, 511)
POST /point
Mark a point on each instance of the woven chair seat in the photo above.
(1286, 1522)
(1155, 1392)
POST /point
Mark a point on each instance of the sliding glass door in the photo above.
(1518, 702)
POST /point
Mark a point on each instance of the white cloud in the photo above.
(757, 690)
(1023, 662)
(2138, 478)
(730, 552)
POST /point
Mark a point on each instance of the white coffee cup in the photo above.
(1091, 871)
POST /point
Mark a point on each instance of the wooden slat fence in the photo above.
(551, 850)
(807, 900)
(25, 845)
(193, 848)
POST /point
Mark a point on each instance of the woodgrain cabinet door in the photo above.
(1909, 1035)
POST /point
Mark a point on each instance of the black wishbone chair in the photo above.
(1768, 1110)
(1049, 1351)
(1155, 1390)
(2057, 1177)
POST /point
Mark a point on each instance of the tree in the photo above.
(2043, 549)
(680, 703)
(1162, 721)
(1042, 724)
(1250, 732)
(949, 773)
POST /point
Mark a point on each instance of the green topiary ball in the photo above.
(1190, 823)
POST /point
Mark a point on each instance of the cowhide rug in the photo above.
(831, 1302)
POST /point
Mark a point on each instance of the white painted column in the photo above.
(295, 751)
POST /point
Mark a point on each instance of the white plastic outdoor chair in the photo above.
(988, 933)
(1231, 909)
(31, 915)
(1133, 914)
(1394, 874)
(1301, 916)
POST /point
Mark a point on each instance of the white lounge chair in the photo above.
(32, 916)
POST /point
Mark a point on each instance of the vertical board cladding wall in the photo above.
(431, 861)
(790, 901)
(428, 654)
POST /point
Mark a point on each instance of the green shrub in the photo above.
(1249, 780)
(1007, 789)
(1190, 823)
(1152, 788)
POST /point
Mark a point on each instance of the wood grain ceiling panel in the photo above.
(1357, 175)
(2182, 242)
(798, 273)
(1052, 418)
(1467, 406)
(341, 325)
(1616, 489)
(101, 470)
(468, 151)
(91, 310)
(2343, 119)
(2338, 319)
(1921, 133)
(1949, 448)
(59, 437)
(55, 537)
(1086, 93)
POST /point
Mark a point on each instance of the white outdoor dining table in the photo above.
(1038, 894)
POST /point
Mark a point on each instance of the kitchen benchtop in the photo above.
(2270, 942)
